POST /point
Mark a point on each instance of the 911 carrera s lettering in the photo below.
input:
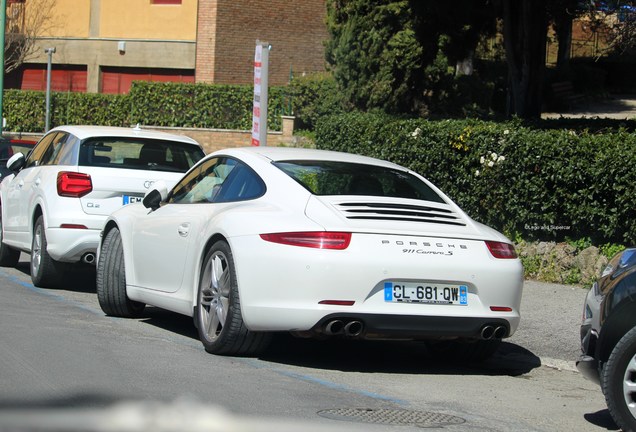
(426, 252)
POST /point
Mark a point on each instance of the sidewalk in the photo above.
(619, 107)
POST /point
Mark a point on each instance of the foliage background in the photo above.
(148, 103)
(547, 182)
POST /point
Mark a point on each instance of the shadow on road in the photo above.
(170, 321)
(393, 357)
(602, 419)
(363, 356)
(76, 277)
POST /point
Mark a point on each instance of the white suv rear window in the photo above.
(139, 153)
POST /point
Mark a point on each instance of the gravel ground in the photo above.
(550, 321)
(614, 107)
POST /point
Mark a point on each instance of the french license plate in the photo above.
(128, 199)
(428, 293)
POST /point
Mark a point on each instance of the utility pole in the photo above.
(3, 25)
(50, 52)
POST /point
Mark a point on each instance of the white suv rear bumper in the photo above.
(70, 244)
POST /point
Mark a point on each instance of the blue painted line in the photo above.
(328, 384)
(49, 294)
(340, 387)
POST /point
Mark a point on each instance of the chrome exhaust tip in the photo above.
(88, 258)
(353, 328)
(487, 332)
(334, 327)
(501, 332)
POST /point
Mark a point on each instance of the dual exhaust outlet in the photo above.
(351, 328)
(354, 328)
(493, 332)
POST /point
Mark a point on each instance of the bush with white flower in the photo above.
(490, 160)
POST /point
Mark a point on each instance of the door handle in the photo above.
(184, 229)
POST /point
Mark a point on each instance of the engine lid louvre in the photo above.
(378, 211)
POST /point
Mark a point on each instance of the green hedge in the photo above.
(157, 104)
(546, 184)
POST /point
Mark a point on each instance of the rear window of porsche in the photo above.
(139, 153)
(345, 178)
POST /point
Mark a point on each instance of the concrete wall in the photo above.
(95, 53)
(211, 139)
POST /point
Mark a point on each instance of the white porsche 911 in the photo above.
(259, 240)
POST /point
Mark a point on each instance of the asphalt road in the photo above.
(66, 366)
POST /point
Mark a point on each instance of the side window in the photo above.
(201, 184)
(35, 157)
(66, 156)
(53, 150)
(218, 180)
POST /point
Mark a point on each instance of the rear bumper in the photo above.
(378, 326)
(70, 245)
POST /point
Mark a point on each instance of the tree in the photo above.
(562, 14)
(374, 53)
(525, 37)
(26, 20)
(396, 55)
(393, 54)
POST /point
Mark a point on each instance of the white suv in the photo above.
(56, 203)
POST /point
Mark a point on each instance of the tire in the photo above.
(218, 313)
(45, 271)
(111, 280)
(464, 351)
(9, 257)
(619, 382)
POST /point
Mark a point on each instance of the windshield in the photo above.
(344, 178)
(139, 153)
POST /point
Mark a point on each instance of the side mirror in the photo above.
(155, 196)
(16, 162)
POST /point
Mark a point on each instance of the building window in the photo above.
(160, 2)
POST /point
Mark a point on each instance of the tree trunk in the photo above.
(465, 66)
(563, 29)
(525, 37)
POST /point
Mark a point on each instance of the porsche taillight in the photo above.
(501, 250)
(73, 184)
(311, 239)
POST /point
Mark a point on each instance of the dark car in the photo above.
(9, 147)
(608, 337)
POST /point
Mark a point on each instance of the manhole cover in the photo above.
(392, 417)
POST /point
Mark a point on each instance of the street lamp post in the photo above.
(50, 52)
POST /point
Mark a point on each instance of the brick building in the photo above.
(228, 30)
(103, 45)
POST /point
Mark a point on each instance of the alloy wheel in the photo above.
(629, 386)
(36, 250)
(215, 295)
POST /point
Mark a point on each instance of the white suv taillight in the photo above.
(73, 184)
